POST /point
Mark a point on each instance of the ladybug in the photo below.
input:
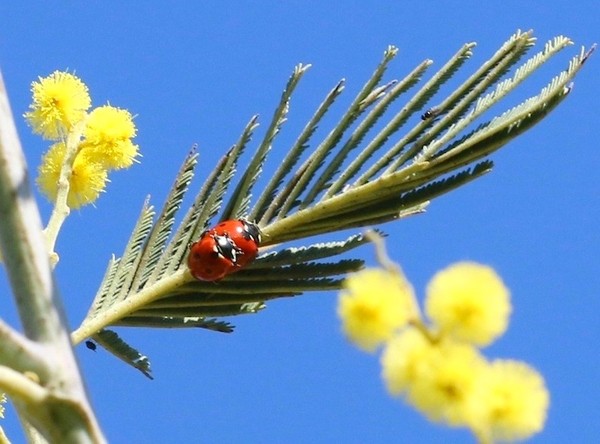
(212, 257)
(245, 235)
(224, 249)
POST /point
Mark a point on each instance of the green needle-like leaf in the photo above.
(269, 203)
(240, 200)
(113, 343)
(161, 231)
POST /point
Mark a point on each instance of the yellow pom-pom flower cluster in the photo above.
(88, 144)
(436, 364)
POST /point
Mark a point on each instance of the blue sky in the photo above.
(195, 72)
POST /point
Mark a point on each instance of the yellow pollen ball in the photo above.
(402, 360)
(373, 304)
(469, 302)
(108, 135)
(445, 380)
(59, 102)
(510, 402)
(88, 179)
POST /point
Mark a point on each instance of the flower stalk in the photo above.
(61, 209)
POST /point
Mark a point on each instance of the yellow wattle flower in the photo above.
(107, 137)
(439, 370)
(59, 102)
(510, 402)
(444, 382)
(469, 302)
(88, 178)
(373, 304)
(402, 360)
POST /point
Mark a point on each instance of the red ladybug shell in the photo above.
(212, 257)
(245, 235)
(224, 249)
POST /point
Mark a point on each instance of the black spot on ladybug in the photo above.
(90, 345)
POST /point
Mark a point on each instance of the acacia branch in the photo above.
(65, 415)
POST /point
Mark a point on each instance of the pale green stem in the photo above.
(20, 388)
(130, 305)
(24, 393)
(392, 267)
(3, 438)
(33, 436)
(333, 206)
(20, 353)
(68, 416)
(61, 209)
(384, 260)
(381, 252)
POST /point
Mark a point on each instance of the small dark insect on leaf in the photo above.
(430, 113)
(91, 345)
